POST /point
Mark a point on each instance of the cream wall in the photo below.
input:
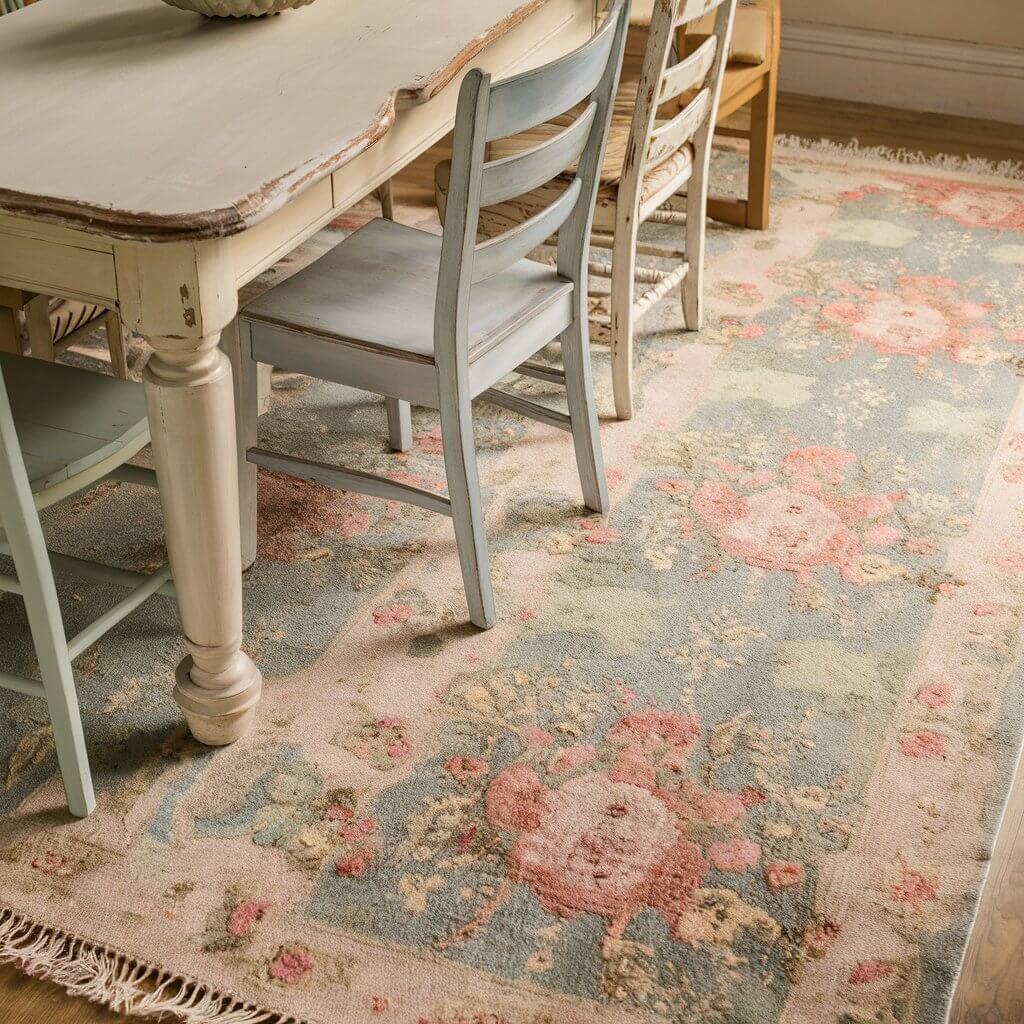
(998, 22)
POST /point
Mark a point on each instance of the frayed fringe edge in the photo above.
(1008, 170)
(116, 981)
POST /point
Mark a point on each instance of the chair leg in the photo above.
(399, 425)
(467, 514)
(25, 536)
(693, 283)
(399, 413)
(115, 342)
(621, 306)
(235, 344)
(386, 195)
(37, 321)
(10, 337)
(762, 146)
(586, 436)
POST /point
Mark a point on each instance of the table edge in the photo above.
(222, 222)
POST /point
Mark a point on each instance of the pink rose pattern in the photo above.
(631, 821)
(920, 317)
(633, 803)
(806, 515)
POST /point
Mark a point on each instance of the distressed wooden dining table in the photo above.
(154, 162)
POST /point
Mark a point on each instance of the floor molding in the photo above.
(912, 72)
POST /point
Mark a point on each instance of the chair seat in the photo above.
(72, 425)
(377, 290)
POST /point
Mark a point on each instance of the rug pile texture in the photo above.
(734, 755)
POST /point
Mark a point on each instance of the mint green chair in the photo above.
(62, 430)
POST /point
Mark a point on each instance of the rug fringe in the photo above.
(116, 981)
(1009, 170)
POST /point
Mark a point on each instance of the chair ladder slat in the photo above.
(691, 10)
(499, 253)
(533, 97)
(669, 137)
(689, 72)
(521, 173)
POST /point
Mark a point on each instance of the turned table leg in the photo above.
(192, 420)
(180, 298)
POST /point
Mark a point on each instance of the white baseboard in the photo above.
(911, 72)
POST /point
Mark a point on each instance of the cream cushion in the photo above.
(751, 32)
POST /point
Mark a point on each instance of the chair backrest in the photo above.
(665, 77)
(486, 112)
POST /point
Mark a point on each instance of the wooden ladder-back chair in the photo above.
(662, 158)
(439, 320)
(61, 430)
(660, 146)
(55, 324)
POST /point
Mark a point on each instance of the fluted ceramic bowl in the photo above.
(237, 8)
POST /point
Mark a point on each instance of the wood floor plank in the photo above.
(991, 986)
(871, 125)
(25, 1000)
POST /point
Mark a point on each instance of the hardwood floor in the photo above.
(991, 988)
(25, 1000)
(898, 129)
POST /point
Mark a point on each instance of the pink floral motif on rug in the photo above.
(736, 754)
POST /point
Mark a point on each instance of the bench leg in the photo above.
(762, 144)
(10, 339)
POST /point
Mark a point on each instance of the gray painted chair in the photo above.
(62, 430)
(660, 147)
(439, 320)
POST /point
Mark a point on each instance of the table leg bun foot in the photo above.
(221, 731)
(218, 717)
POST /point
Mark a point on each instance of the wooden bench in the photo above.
(746, 108)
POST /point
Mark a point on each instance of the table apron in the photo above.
(552, 31)
(55, 267)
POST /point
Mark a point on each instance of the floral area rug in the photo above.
(735, 755)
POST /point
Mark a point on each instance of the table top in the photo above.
(136, 120)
